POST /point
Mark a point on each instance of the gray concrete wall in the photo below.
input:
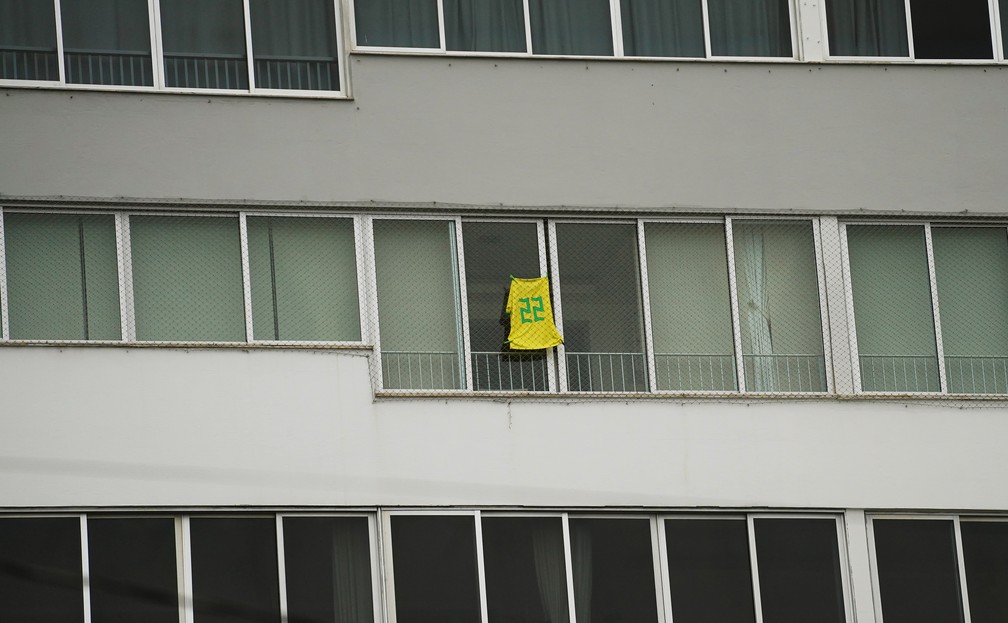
(533, 132)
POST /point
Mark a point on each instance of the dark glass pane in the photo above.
(867, 27)
(526, 577)
(799, 570)
(397, 23)
(663, 28)
(576, 27)
(951, 30)
(709, 573)
(132, 570)
(40, 570)
(917, 571)
(234, 569)
(328, 569)
(294, 44)
(28, 40)
(435, 569)
(107, 42)
(485, 25)
(746, 28)
(985, 552)
(204, 44)
(613, 567)
(493, 253)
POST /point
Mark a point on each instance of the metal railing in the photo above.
(977, 375)
(422, 371)
(21, 63)
(781, 372)
(111, 67)
(301, 73)
(202, 71)
(606, 372)
(899, 373)
(695, 372)
(510, 371)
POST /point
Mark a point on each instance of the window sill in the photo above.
(100, 88)
(262, 345)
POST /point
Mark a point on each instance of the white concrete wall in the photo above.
(96, 427)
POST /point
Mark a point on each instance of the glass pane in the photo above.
(493, 253)
(132, 570)
(581, 27)
(328, 569)
(418, 304)
(234, 569)
(778, 299)
(304, 279)
(663, 28)
(62, 277)
(526, 576)
(485, 25)
(294, 44)
(187, 279)
(28, 40)
(204, 44)
(799, 570)
(971, 270)
(867, 27)
(40, 570)
(603, 318)
(959, 30)
(918, 575)
(613, 570)
(709, 573)
(690, 306)
(985, 553)
(107, 42)
(892, 308)
(750, 27)
(435, 569)
(397, 23)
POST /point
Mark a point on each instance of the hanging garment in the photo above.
(532, 326)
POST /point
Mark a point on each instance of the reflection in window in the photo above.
(602, 308)
(613, 570)
(691, 320)
(892, 308)
(484, 25)
(204, 44)
(418, 304)
(28, 40)
(434, 560)
(750, 28)
(397, 23)
(575, 27)
(62, 277)
(493, 253)
(778, 299)
(107, 42)
(303, 275)
(41, 576)
(526, 576)
(670, 28)
(985, 553)
(294, 44)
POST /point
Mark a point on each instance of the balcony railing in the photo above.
(421, 371)
(20, 63)
(785, 373)
(300, 73)
(510, 371)
(899, 373)
(977, 375)
(606, 372)
(109, 67)
(695, 372)
(202, 71)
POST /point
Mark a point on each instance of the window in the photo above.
(28, 40)
(41, 576)
(294, 45)
(759, 28)
(204, 44)
(881, 27)
(671, 28)
(581, 27)
(62, 276)
(484, 26)
(107, 42)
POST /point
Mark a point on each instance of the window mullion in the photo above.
(281, 567)
(934, 308)
(663, 562)
(733, 296)
(565, 518)
(551, 354)
(465, 344)
(561, 350)
(658, 563)
(127, 317)
(961, 563)
(85, 569)
(706, 29)
(246, 276)
(823, 306)
(909, 27)
(528, 27)
(754, 569)
(157, 55)
(373, 329)
(387, 568)
(646, 304)
(59, 41)
(441, 26)
(616, 15)
(184, 540)
(995, 26)
(481, 567)
(249, 57)
(4, 309)
(360, 256)
(849, 300)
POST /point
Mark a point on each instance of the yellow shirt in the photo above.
(532, 326)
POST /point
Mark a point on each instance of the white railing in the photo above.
(899, 373)
(300, 73)
(977, 375)
(606, 372)
(421, 371)
(784, 373)
(510, 371)
(19, 63)
(695, 372)
(109, 67)
(200, 71)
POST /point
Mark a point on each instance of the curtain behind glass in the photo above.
(750, 28)
(485, 25)
(397, 23)
(867, 27)
(204, 43)
(663, 28)
(62, 277)
(294, 44)
(107, 42)
(581, 27)
(28, 40)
